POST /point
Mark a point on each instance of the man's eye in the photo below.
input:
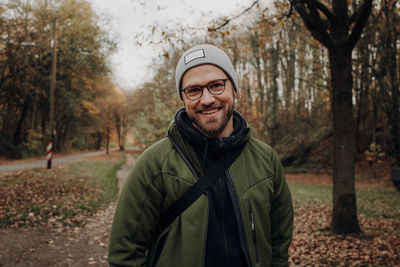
(216, 85)
(193, 90)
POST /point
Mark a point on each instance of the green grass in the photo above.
(103, 177)
(372, 200)
(377, 201)
(305, 193)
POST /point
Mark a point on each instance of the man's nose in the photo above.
(207, 97)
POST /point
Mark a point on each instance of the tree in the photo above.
(339, 32)
(25, 61)
(388, 75)
(119, 115)
(338, 29)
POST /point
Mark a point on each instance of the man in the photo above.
(244, 219)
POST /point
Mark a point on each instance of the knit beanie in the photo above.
(204, 54)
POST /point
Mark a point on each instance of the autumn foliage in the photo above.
(87, 102)
(285, 80)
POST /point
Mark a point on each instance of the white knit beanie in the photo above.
(204, 54)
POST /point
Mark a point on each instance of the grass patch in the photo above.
(306, 193)
(62, 196)
(372, 200)
(103, 177)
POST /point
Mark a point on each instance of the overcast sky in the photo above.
(129, 17)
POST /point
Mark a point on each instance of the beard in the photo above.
(213, 127)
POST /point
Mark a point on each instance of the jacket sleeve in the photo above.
(136, 215)
(281, 216)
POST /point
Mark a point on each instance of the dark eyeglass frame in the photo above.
(208, 85)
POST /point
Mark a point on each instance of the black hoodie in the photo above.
(223, 244)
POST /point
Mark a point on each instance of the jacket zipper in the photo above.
(253, 229)
(206, 232)
(238, 215)
(197, 177)
(222, 200)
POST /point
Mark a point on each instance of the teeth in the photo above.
(210, 111)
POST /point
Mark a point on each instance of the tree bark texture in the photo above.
(344, 216)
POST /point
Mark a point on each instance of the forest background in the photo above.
(284, 77)
(286, 93)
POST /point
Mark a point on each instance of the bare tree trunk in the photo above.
(17, 139)
(255, 46)
(344, 217)
(363, 83)
(392, 23)
(274, 124)
(289, 58)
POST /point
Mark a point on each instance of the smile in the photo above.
(209, 111)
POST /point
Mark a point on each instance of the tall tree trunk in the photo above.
(344, 217)
(363, 83)
(290, 58)
(395, 118)
(17, 139)
(274, 124)
(392, 23)
(255, 47)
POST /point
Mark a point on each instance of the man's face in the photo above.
(211, 114)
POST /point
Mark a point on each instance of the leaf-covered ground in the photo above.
(379, 218)
(58, 218)
(62, 196)
(60, 238)
(314, 245)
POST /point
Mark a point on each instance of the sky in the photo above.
(127, 18)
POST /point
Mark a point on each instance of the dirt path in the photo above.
(79, 246)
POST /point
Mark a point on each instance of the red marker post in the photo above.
(49, 149)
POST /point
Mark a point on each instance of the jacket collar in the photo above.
(239, 135)
(185, 136)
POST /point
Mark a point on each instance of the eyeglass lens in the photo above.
(215, 87)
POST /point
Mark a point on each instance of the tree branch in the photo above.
(289, 12)
(313, 11)
(310, 15)
(324, 9)
(213, 29)
(361, 21)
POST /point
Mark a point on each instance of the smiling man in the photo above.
(209, 194)
(210, 110)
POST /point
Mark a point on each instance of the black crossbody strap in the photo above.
(197, 189)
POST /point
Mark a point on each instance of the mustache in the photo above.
(213, 105)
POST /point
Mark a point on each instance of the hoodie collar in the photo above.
(186, 138)
(195, 146)
(197, 138)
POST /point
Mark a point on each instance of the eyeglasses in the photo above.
(215, 87)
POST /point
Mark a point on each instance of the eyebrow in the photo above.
(226, 78)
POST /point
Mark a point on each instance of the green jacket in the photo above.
(160, 176)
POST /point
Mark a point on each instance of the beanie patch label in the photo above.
(194, 55)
